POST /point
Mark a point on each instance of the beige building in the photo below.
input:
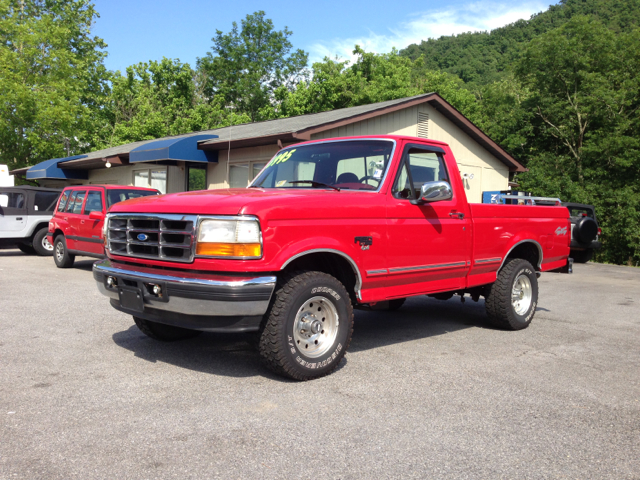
(233, 156)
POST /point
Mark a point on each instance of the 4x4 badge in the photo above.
(365, 242)
(561, 231)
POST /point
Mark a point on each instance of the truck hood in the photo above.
(245, 201)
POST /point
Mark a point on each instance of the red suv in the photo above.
(76, 226)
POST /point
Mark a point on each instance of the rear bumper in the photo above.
(209, 302)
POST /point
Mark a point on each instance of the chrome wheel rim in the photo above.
(46, 244)
(316, 326)
(521, 295)
(59, 251)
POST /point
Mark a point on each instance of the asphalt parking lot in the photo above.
(430, 391)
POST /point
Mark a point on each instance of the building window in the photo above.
(151, 178)
(196, 177)
(241, 174)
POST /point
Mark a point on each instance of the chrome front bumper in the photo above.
(191, 300)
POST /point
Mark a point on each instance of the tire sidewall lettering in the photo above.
(534, 285)
(326, 360)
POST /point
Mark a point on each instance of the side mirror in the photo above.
(434, 192)
(96, 215)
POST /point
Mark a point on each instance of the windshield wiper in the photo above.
(315, 184)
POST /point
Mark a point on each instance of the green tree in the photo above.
(584, 84)
(51, 78)
(371, 78)
(250, 64)
(158, 99)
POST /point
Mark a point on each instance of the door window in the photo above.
(63, 201)
(72, 201)
(94, 202)
(12, 200)
(418, 167)
(77, 206)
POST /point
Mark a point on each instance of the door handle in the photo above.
(18, 218)
(460, 215)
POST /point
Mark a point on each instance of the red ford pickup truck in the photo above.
(326, 227)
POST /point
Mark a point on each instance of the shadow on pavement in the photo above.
(228, 354)
(86, 265)
(232, 354)
(13, 253)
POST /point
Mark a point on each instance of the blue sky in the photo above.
(142, 30)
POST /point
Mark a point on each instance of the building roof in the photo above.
(296, 129)
(301, 127)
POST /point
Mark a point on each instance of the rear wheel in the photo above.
(28, 249)
(162, 332)
(581, 256)
(308, 326)
(41, 243)
(512, 299)
(61, 255)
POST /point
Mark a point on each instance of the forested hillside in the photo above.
(561, 92)
(484, 57)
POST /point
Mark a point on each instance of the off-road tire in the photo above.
(498, 301)
(26, 249)
(581, 256)
(162, 332)
(279, 350)
(38, 243)
(396, 304)
(61, 255)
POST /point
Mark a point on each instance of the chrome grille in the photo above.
(160, 237)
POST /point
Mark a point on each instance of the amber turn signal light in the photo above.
(229, 249)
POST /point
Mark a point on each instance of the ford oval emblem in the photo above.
(143, 237)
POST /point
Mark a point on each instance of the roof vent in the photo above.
(423, 125)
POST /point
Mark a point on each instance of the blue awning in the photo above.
(182, 148)
(49, 170)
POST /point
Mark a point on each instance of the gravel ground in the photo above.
(430, 391)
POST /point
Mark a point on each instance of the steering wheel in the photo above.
(366, 177)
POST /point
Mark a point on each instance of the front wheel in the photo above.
(308, 326)
(41, 243)
(512, 299)
(61, 255)
(162, 332)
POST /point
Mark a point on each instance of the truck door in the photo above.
(73, 215)
(89, 230)
(428, 246)
(13, 213)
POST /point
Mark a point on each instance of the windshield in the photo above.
(120, 195)
(354, 165)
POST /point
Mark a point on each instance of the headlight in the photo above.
(238, 238)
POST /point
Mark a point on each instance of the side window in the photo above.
(14, 200)
(77, 206)
(418, 167)
(45, 201)
(63, 201)
(94, 202)
(72, 200)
